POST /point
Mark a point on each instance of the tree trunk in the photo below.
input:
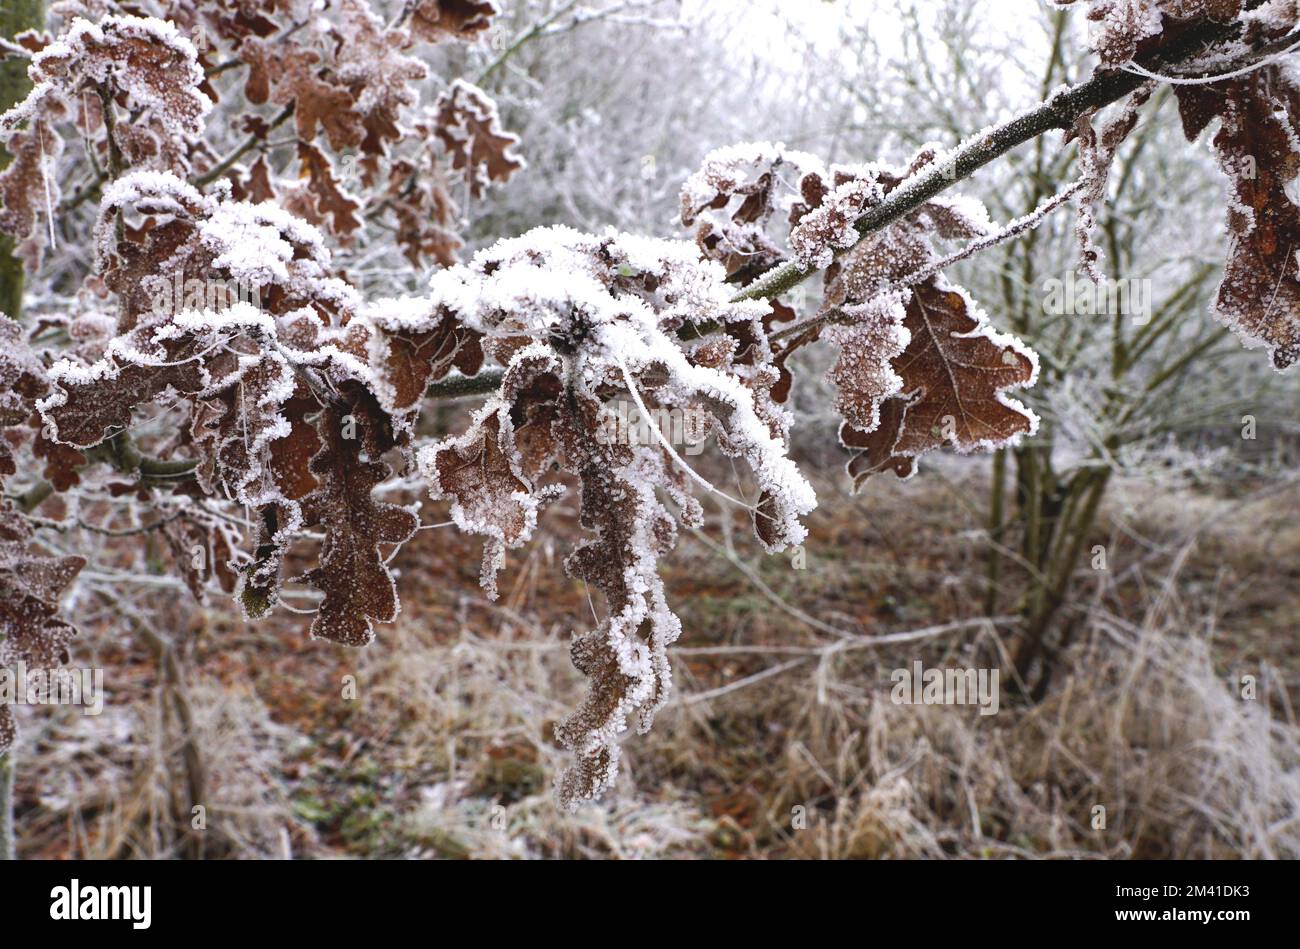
(7, 844)
(15, 16)
(1056, 519)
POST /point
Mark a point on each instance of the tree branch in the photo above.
(1060, 111)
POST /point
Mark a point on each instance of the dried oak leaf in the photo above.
(62, 462)
(89, 406)
(470, 129)
(417, 194)
(22, 377)
(1258, 150)
(954, 374)
(731, 200)
(918, 365)
(415, 357)
(145, 65)
(435, 20)
(357, 585)
(863, 373)
(626, 655)
(321, 198)
(263, 443)
(202, 547)
(1097, 150)
(22, 383)
(370, 61)
(1124, 27)
(30, 588)
(285, 73)
(481, 471)
(254, 185)
(29, 187)
(580, 320)
(830, 225)
(91, 402)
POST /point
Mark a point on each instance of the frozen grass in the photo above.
(782, 740)
(113, 786)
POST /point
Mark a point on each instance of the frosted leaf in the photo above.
(1121, 28)
(733, 199)
(22, 377)
(863, 374)
(435, 20)
(830, 226)
(469, 127)
(954, 373)
(285, 73)
(29, 187)
(357, 585)
(580, 319)
(30, 630)
(142, 61)
(482, 472)
(626, 656)
(918, 366)
(372, 64)
(216, 538)
(417, 195)
(320, 197)
(1096, 155)
(277, 386)
(22, 382)
(1259, 150)
(615, 301)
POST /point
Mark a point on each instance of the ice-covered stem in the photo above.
(531, 34)
(1059, 111)
(459, 387)
(15, 17)
(120, 452)
(253, 140)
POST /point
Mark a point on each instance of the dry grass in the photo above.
(783, 741)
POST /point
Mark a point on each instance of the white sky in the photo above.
(764, 25)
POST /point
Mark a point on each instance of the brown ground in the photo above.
(447, 751)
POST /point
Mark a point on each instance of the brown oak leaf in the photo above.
(481, 473)
(30, 588)
(357, 585)
(954, 375)
(435, 20)
(1256, 144)
(470, 128)
(321, 198)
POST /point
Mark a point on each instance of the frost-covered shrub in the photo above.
(300, 398)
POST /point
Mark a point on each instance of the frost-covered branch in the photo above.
(1060, 111)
